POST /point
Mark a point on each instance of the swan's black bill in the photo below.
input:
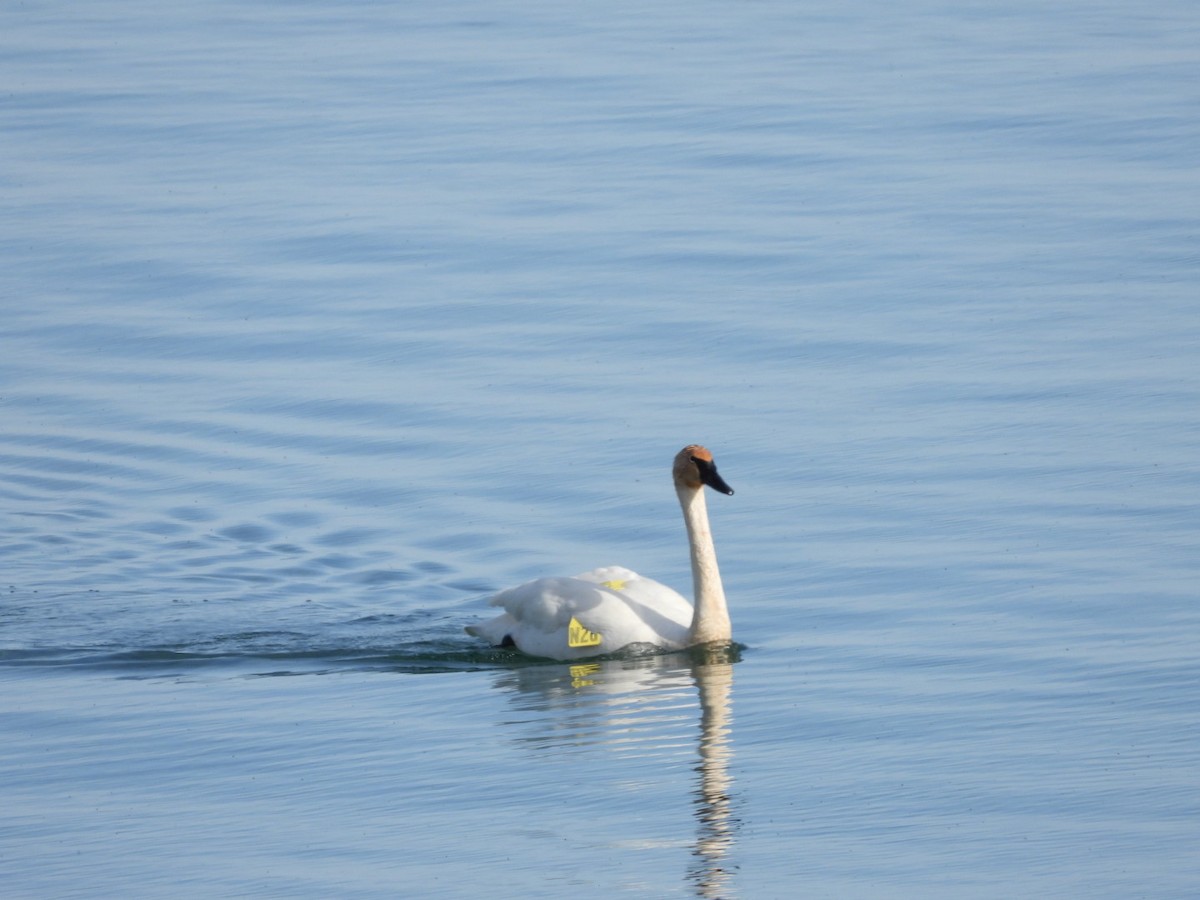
(708, 475)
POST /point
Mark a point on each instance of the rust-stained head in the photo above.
(694, 468)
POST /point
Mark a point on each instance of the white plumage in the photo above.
(610, 608)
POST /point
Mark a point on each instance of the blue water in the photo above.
(323, 321)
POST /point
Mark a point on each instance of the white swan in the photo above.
(606, 609)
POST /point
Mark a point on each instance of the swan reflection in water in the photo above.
(716, 823)
(662, 711)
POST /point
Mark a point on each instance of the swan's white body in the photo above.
(610, 608)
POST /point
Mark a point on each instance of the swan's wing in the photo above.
(635, 587)
(596, 613)
(550, 603)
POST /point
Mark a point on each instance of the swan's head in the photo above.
(694, 468)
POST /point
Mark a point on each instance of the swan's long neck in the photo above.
(710, 615)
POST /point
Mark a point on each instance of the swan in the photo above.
(601, 611)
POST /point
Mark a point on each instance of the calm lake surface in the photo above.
(323, 321)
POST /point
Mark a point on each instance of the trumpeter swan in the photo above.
(601, 611)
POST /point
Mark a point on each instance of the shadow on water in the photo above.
(149, 640)
(645, 707)
(235, 657)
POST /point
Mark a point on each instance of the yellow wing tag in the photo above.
(578, 636)
(615, 585)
